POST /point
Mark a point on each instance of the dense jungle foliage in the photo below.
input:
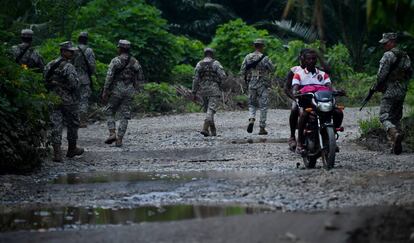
(168, 38)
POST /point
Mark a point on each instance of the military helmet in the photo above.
(67, 45)
(124, 44)
(83, 34)
(208, 49)
(387, 37)
(26, 33)
(259, 41)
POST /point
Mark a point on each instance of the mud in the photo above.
(165, 161)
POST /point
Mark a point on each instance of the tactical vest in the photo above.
(57, 74)
(79, 61)
(27, 59)
(128, 75)
(207, 72)
(67, 96)
(399, 72)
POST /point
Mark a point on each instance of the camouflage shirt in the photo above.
(63, 81)
(31, 58)
(81, 65)
(261, 75)
(128, 79)
(208, 76)
(394, 81)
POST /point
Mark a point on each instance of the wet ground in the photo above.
(167, 171)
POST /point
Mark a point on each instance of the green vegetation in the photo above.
(368, 126)
(23, 116)
(162, 98)
(168, 38)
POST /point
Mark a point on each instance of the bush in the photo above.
(162, 98)
(183, 74)
(50, 49)
(156, 98)
(191, 51)
(357, 86)
(23, 116)
(234, 40)
(134, 20)
(368, 126)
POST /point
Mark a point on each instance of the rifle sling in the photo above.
(19, 57)
(124, 66)
(255, 63)
(52, 69)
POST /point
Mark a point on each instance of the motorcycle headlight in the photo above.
(325, 106)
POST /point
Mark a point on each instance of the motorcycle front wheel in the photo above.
(329, 145)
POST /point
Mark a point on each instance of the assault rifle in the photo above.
(380, 86)
(371, 92)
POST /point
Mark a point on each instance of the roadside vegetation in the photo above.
(168, 38)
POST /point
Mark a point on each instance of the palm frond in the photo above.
(302, 31)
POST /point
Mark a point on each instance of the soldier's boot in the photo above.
(112, 137)
(395, 138)
(251, 124)
(262, 131)
(57, 153)
(118, 142)
(205, 128)
(213, 130)
(83, 121)
(73, 150)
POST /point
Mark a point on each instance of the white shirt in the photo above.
(303, 77)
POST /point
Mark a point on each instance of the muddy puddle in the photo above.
(59, 218)
(137, 176)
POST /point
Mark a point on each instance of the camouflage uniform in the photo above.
(122, 87)
(31, 58)
(395, 86)
(64, 83)
(259, 82)
(82, 69)
(208, 77)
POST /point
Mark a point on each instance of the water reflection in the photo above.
(105, 177)
(68, 217)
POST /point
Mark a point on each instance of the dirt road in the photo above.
(165, 161)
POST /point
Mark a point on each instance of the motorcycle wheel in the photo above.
(329, 151)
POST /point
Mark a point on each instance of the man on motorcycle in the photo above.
(294, 111)
(311, 79)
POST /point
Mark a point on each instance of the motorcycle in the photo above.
(320, 134)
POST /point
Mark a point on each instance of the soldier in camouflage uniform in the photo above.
(393, 77)
(25, 55)
(257, 69)
(62, 80)
(208, 76)
(85, 64)
(123, 80)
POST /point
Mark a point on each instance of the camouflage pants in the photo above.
(123, 106)
(65, 114)
(259, 98)
(85, 93)
(210, 105)
(391, 112)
